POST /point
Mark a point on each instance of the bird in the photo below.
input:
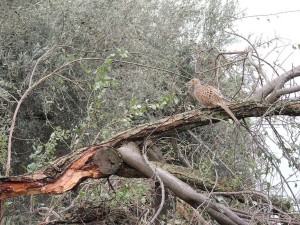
(209, 96)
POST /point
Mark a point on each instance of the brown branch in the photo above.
(68, 171)
(208, 149)
(184, 209)
(187, 120)
(52, 180)
(54, 73)
(180, 156)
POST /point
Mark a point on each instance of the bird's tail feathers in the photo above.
(225, 107)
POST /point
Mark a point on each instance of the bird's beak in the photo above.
(189, 84)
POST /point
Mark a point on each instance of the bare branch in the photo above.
(275, 85)
(161, 183)
(258, 67)
(40, 81)
(207, 148)
(278, 93)
(131, 155)
(180, 156)
(271, 14)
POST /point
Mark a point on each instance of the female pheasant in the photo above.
(209, 96)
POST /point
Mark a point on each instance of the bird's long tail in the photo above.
(225, 107)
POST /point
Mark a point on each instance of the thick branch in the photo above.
(68, 171)
(187, 120)
(275, 85)
(278, 93)
(131, 155)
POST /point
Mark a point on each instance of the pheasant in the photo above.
(209, 96)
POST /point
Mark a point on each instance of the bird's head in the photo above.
(193, 82)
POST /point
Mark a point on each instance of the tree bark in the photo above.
(274, 89)
(70, 170)
(131, 155)
(101, 160)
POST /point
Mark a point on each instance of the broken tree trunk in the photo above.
(70, 170)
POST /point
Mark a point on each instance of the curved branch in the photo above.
(276, 94)
(71, 169)
(26, 93)
(131, 155)
(41, 80)
(275, 85)
(258, 67)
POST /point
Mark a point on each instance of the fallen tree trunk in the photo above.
(131, 155)
(102, 160)
(70, 170)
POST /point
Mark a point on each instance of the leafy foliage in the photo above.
(135, 58)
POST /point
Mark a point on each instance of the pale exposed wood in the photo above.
(132, 156)
(68, 171)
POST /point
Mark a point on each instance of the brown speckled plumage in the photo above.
(209, 96)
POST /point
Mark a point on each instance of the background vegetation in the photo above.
(133, 61)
